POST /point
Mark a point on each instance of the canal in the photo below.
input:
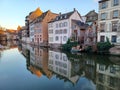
(23, 67)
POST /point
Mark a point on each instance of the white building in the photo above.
(31, 33)
(62, 28)
(58, 63)
(109, 21)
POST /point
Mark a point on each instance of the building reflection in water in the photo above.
(62, 67)
(88, 71)
(37, 60)
(9, 44)
(108, 78)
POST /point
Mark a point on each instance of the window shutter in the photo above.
(111, 3)
(105, 27)
(106, 4)
(119, 13)
(118, 27)
(106, 16)
(111, 14)
(99, 17)
(100, 6)
(110, 27)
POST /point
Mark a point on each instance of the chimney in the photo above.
(74, 9)
(60, 13)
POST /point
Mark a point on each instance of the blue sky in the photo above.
(13, 12)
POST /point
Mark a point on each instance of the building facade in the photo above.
(30, 25)
(91, 31)
(41, 28)
(107, 78)
(64, 27)
(109, 21)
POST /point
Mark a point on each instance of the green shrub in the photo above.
(88, 49)
(104, 46)
(69, 45)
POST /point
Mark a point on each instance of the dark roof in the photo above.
(91, 13)
(91, 16)
(62, 16)
(82, 25)
(103, 1)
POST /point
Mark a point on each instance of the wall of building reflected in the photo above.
(100, 72)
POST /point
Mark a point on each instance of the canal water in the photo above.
(23, 67)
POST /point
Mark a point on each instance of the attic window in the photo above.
(61, 17)
(57, 18)
(65, 16)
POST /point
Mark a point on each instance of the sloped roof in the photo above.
(2, 32)
(102, 1)
(40, 18)
(33, 15)
(91, 16)
(11, 31)
(65, 16)
(80, 24)
(91, 13)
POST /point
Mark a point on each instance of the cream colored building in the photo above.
(109, 21)
(107, 77)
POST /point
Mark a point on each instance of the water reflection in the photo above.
(9, 45)
(6, 45)
(86, 72)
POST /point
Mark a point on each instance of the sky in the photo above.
(13, 12)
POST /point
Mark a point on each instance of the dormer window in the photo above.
(60, 17)
(104, 5)
(65, 16)
(57, 18)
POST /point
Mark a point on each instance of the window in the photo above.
(65, 38)
(114, 26)
(65, 16)
(39, 31)
(40, 39)
(60, 17)
(56, 38)
(115, 2)
(112, 69)
(102, 38)
(65, 24)
(65, 31)
(101, 67)
(56, 25)
(114, 39)
(100, 87)
(104, 5)
(64, 58)
(101, 78)
(51, 39)
(60, 24)
(115, 14)
(102, 27)
(60, 32)
(57, 32)
(103, 16)
(57, 56)
(112, 81)
(50, 31)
